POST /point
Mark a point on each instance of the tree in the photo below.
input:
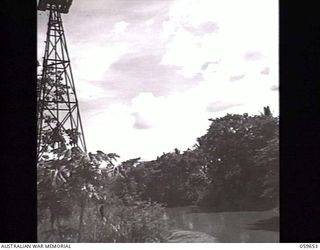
(233, 166)
(65, 175)
(80, 199)
(174, 179)
(229, 149)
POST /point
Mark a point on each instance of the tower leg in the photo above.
(59, 120)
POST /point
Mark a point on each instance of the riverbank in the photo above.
(240, 226)
(182, 236)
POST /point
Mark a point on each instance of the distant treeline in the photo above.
(234, 166)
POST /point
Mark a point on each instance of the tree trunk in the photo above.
(82, 208)
(53, 220)
(59, 229)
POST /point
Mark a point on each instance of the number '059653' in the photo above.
(308, 245)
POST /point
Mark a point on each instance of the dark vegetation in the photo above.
(76, 202)
(234, 166)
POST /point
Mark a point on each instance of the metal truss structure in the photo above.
(58, 109)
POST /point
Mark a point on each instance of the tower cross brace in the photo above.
(58, 108)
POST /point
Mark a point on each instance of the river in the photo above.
(222, 226)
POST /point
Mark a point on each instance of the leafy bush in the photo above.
(130, 221)
(76, 203)
(174, 179)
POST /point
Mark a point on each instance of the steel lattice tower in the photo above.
(58, 108)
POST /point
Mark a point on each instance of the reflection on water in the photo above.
(225, 226)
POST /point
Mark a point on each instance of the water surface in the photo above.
(225, 226)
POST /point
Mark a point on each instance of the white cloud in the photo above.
(175, 120)
(120, 27)
(244, 26)
(241, 40)
(92, 60)
(149, 22)
(244, 45)
(170, 122)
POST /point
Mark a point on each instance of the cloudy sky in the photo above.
(150, 73)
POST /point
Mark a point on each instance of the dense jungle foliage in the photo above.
(76, 202)
(234, 166)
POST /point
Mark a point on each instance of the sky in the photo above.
(150, 73)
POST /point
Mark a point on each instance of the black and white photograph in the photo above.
(158, 121)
